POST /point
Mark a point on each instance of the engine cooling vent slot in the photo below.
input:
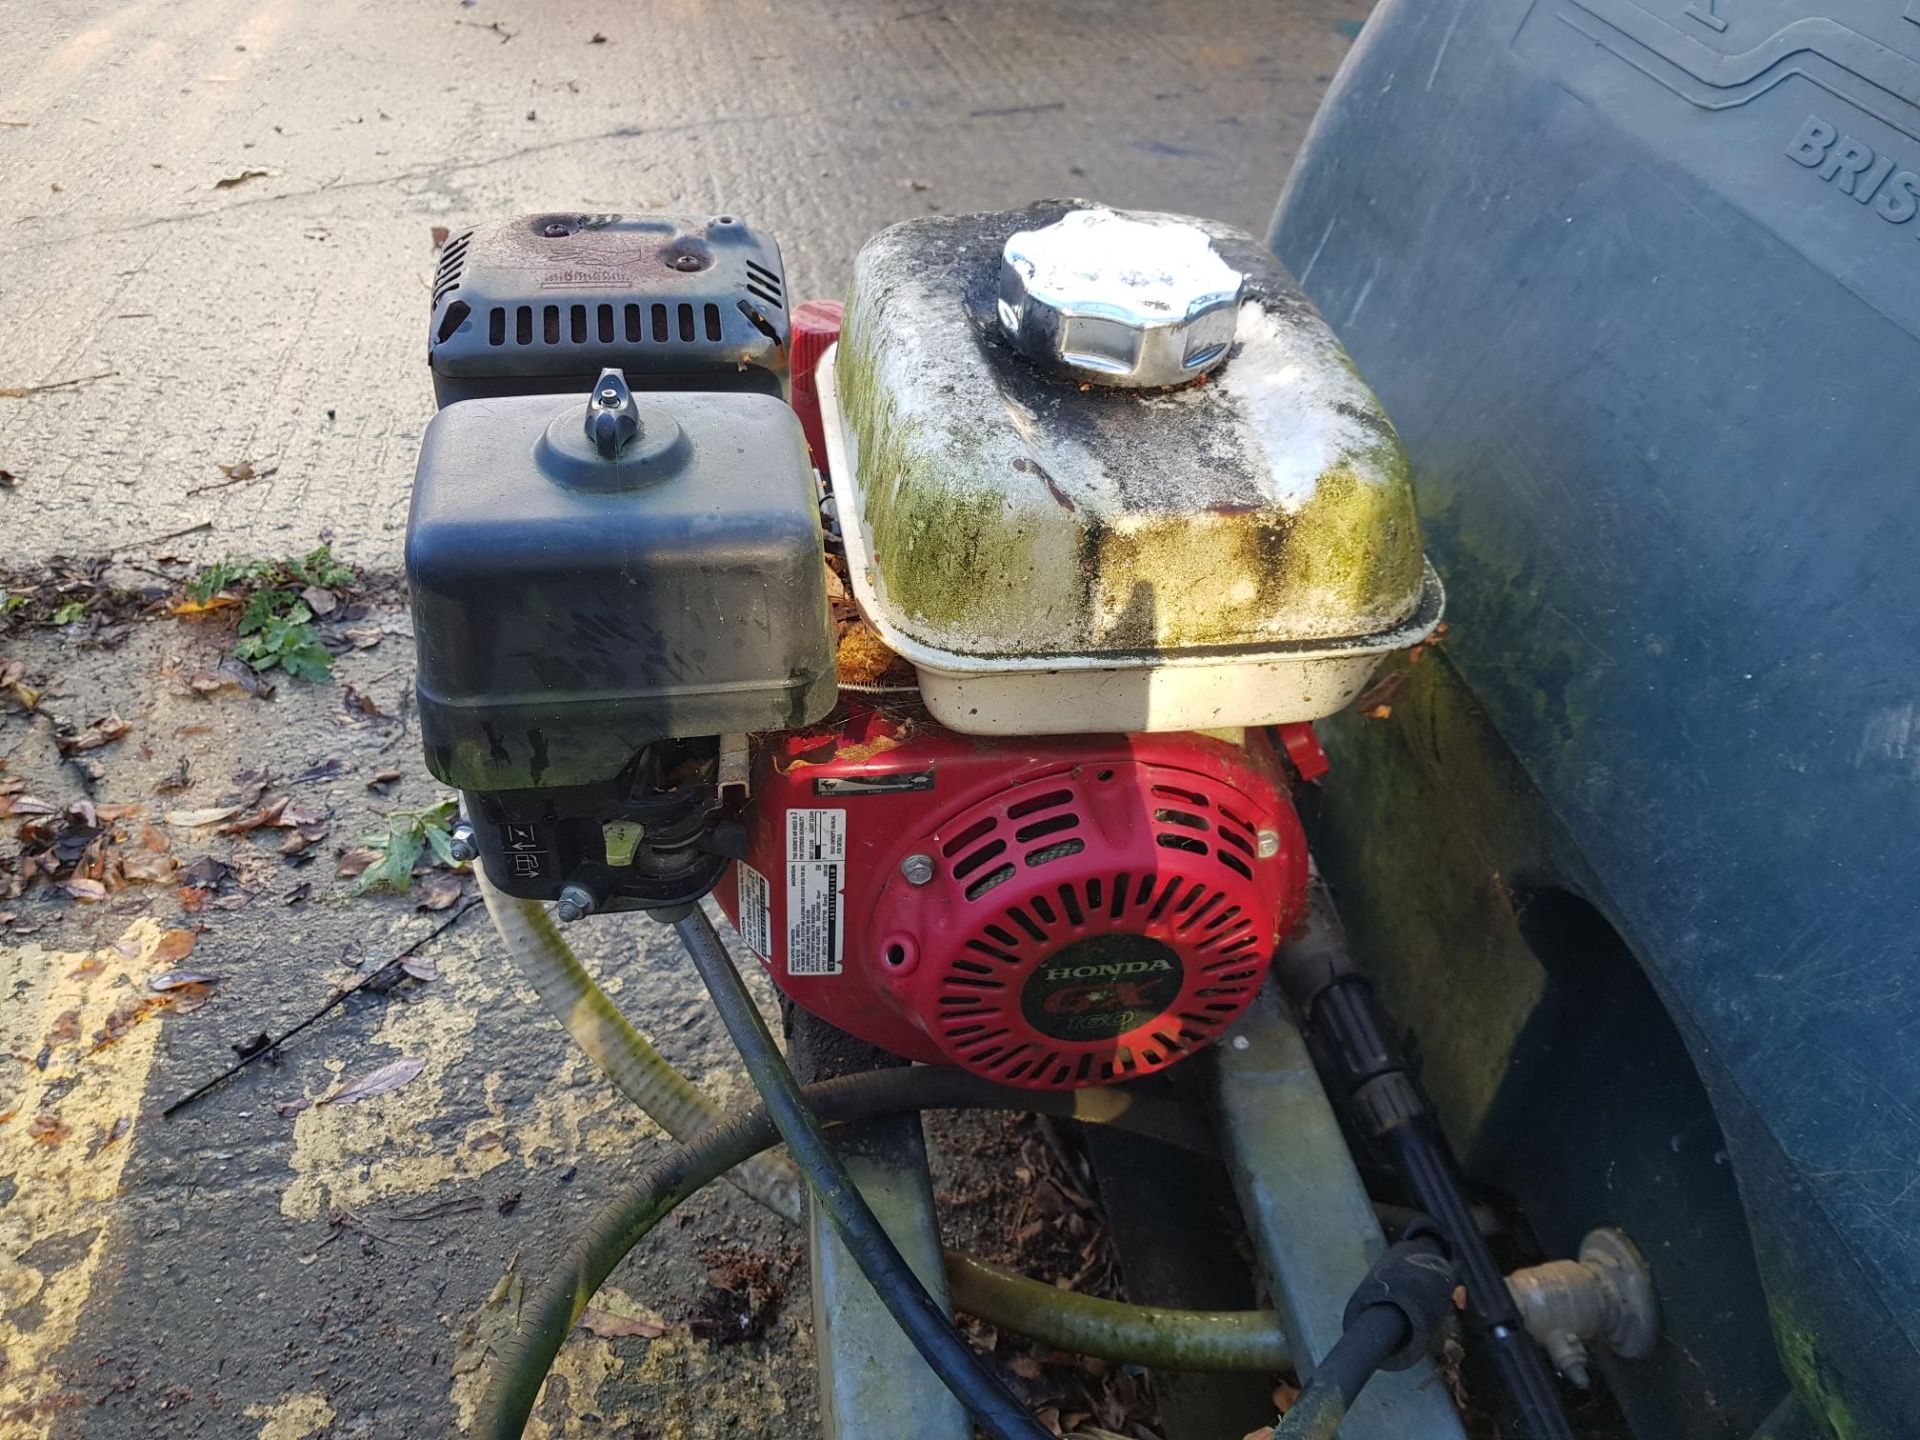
(1068, 967)
(764, 285)
(992, 1022)
(1032, 831)
(446, 279)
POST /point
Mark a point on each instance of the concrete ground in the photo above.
(338, 1270)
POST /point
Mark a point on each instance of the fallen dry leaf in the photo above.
(103, 731)
(143, 867)
(48, 1130)
(247, 678)
(206, 873)
(81, 888)
(354, 700)
(609, 1326)
(168, 980)
(194, 819)
(364, 638)
(13, 683)
(267, 813)
(355, 861)
(127, 1014)
(174, 946)
(387, 1078)
(228, 182)
(421, 967)
(439, 892)
(208, 606)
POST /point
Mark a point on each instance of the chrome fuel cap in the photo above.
(1119, 299)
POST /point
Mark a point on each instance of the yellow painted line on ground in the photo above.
(71, 1116)
(295, 1418)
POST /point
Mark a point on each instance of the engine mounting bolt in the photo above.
(575, 903)
(461, 843)
(917, 868)
(1269, 844)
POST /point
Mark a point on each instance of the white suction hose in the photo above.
(639, 1071)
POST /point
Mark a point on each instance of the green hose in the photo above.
(640, 1072)
(1171, 1339)
(1160, 1339)
(548, 1315)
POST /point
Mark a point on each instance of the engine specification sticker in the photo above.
(816, 891)
(756, 910)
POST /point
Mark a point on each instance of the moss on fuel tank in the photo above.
(1009, 512)
(946, 543)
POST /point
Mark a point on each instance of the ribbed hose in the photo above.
(1160, 1339)
(623, 1054)
(549, 1314)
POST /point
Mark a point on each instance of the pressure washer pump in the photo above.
(964, 644)
(987, 747)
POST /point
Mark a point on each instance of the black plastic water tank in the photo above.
(1639, 281)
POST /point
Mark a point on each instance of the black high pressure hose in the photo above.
(986, 1397)
(1391, 1320)
(1363, 1066)
(1355, 1358)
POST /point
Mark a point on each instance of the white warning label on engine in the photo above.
(756, 910)
(816, 891)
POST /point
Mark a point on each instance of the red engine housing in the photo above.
(1045, 911)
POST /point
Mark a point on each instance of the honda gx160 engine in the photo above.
(985, 742)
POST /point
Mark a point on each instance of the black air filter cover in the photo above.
(541, 304)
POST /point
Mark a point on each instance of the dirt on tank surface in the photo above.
(1015, 512)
